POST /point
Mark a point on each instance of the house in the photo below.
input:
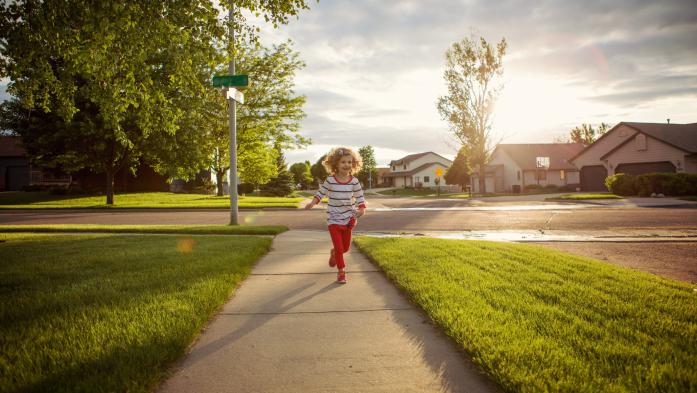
(15, 172)
(417, 170)
(382, 180)
(514, 166)
(637, 148)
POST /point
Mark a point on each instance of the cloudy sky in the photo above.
(375, 68)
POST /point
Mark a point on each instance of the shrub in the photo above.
(621, 184)
(550, 187)
(531, 187)
(245, 188)
(569, 187)
(666, 183)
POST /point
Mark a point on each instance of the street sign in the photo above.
(240, 81)
(439, 172)
(235, 94)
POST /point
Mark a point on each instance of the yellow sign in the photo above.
(439, 172)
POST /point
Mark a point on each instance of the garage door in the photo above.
(645, 167)
(593, 178)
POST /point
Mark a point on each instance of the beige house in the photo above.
(637, 148)
(514, 166)
(417, 170)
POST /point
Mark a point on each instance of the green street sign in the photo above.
(239, 81)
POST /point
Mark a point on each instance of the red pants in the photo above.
(341, 239)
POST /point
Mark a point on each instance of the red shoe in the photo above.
(341, 278)
(332, 258)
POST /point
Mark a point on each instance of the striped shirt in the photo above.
(343, 198)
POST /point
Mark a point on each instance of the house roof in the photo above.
(412, 157)
(413, 171)
(11, 146)
(681, 136)
(525, 155)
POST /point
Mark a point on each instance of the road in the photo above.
(582, 219)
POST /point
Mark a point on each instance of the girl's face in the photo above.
(345, 165)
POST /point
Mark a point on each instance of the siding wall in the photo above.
(656, 151)
(604, 145)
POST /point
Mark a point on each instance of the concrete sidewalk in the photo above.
(291, 328)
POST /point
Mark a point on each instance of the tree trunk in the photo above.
(482, 179)
(110, 187)
(219, 182)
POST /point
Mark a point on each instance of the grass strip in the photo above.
(109, 313)
(164, 229)
(539, 320)
(146, 200)
(585, 196)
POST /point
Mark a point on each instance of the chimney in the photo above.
(668, 121)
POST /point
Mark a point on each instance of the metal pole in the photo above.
(232, 179)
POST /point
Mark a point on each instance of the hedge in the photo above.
(674, 184)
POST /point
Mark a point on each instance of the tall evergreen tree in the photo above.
(282, 184)
(459, 172)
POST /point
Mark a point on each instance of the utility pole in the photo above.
(232, 105)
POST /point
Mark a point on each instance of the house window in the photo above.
(640, 141)
(405, 167)
(562, 175)
(418, 179)
(426, 179)
(394, 168)
(518, 175)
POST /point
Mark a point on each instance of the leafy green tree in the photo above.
(318, 171)
(301, 174)
(472, 71)
(118, 74)
(586, 134)
(282, 184)
(369, 170)
(270, 116)
(459, 172)
(125, 77)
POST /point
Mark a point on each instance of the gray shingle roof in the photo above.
(525, 155)
(682, 136)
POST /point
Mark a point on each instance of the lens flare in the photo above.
(186, 245)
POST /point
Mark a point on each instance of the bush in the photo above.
(245, 188)
(532, 187)
(550, 187)
(675, 184)
(569, 187)
(621, 184)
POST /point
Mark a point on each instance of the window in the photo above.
(640, 141)
(542, 162)
(394, 168)
(562, 175)
(405, 167)
(426, 179)
(418, 179)
(518, 175)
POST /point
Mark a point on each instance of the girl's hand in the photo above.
(360, 213)
(309, 205)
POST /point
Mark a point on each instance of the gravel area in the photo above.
(674, 260)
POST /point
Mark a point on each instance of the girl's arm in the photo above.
(360, 199)
(321, 193)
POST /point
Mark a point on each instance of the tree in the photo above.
(368, 170)
(126, 78)
(318, 171)
(586, 134)
(269, 118)
(301, 174)
(116, 74)
(459, 172)
(472, 70)
(282, 184)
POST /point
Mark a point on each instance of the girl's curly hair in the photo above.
(331, 162)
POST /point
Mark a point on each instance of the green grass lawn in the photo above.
(690, 198)
(410, 192)
(576, 197)
(538, 320)
(109, 313)
(146, 200)
(171, 229)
